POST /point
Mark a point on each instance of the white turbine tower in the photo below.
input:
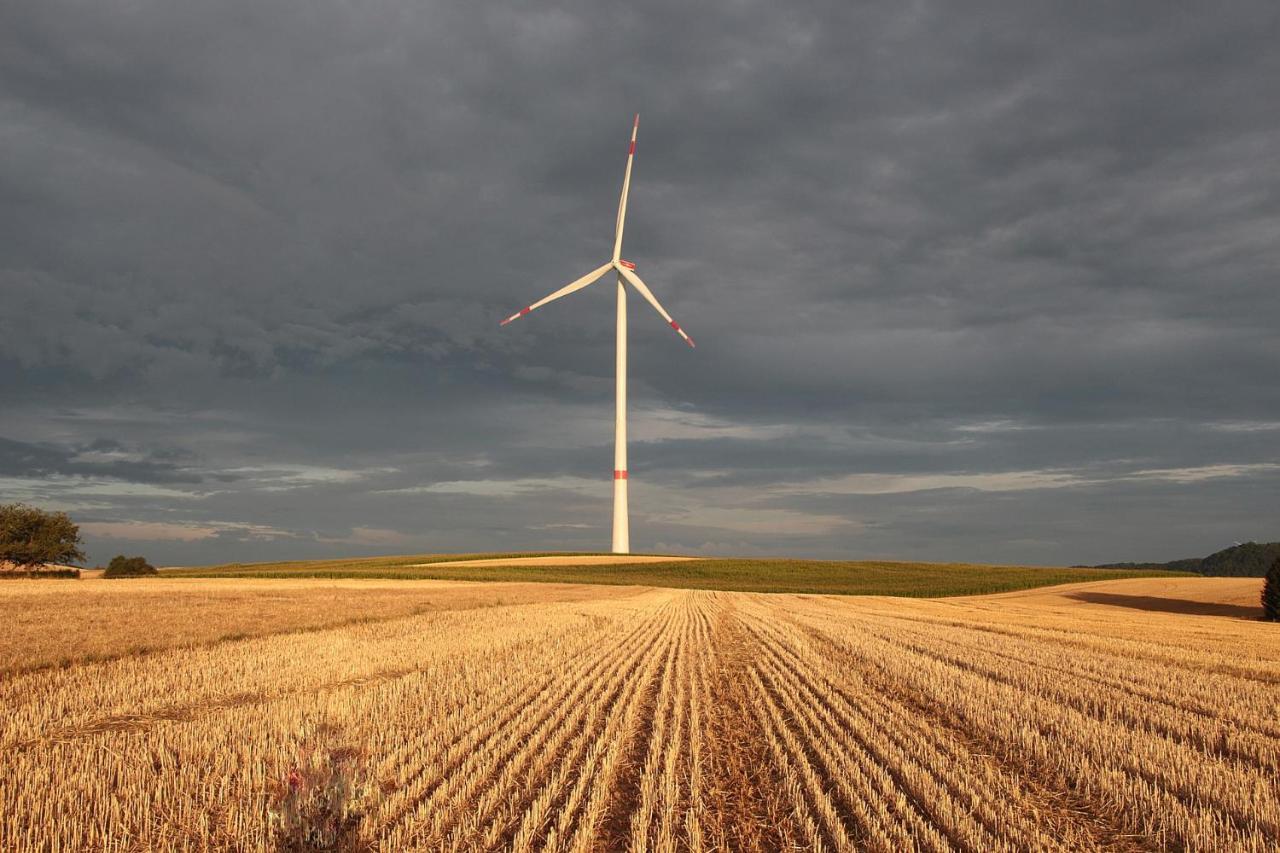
(626, 275)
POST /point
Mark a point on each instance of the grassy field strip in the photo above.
(828, 577)
(668, 719)
(305, 568)
(563, 560)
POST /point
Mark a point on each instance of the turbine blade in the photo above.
(626, 188)
(653, 300)
(564, 291)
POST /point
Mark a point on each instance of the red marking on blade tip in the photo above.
(524, 311)
(637, 124)
(675, 325)
(632, 149)
(619, 475)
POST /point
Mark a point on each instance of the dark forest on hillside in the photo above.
(1249, 559)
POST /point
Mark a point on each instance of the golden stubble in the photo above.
(658, 719)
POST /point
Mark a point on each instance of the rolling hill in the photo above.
(1247, 560)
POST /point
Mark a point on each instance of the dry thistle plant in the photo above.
(320, 801)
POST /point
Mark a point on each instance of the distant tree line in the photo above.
(1247, 560)
(35, 543)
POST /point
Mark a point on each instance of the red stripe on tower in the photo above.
(619, 475)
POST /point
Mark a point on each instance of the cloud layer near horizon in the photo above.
(983, 283)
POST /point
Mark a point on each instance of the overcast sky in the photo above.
(982, 281)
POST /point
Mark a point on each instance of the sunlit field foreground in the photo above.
(1130, 714)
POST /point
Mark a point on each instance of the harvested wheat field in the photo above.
(51, 624)
(655, 719)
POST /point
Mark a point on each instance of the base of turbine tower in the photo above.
(621, 527)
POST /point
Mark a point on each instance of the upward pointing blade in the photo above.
(626, 187)
(653, 300)
(564, 291)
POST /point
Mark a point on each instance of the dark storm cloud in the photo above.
(1005, 254)
(100, 458)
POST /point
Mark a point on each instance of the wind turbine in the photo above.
(626, 271)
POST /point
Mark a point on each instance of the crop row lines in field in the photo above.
(1220, 653)
(676, 652)
(162, 685)
(1104, 679)
(418, 767)
(1002, 794)
(433, 812)
(954, 789)
(1147, 721)
(661, 791)
(658, 740)
(699, 691)
(818, 817)
(748, 803)
(1071, 815)
(608, 709)
(1198, 795)
(363, 715)
(1234, 731)
(666, 721)
(879, 796)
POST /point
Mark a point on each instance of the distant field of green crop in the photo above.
(352, 567)
(863, 577)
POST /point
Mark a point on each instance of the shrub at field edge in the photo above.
(1271, 593)
(129, 567)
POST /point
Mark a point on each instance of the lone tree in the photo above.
(31, 537)
(1271, 593)
(128, 567)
